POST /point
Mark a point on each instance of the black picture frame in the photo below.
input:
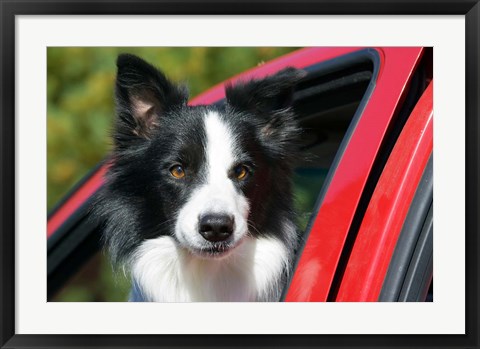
(10, 8)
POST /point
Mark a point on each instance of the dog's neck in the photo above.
(165, 272)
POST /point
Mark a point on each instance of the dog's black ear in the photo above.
(270, 100)
(260, 96)
(143, 95)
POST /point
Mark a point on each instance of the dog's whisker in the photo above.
(250, 225)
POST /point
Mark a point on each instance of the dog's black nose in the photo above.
(216, 227)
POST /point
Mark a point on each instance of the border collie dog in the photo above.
(197, 201)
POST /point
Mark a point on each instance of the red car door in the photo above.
(325, 257)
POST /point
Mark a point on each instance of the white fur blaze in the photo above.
(218, 194)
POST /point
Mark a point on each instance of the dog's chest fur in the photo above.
(169, 273)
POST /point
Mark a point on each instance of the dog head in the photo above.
(207, 176)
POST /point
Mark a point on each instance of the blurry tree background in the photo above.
(80, 107)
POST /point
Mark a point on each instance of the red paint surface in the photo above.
(316, 269)
(389, 205)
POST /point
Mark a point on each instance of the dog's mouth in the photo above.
(215, 250)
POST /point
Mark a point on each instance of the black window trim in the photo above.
(411, 268)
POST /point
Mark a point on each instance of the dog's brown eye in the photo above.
(240, 172)
(177, 171)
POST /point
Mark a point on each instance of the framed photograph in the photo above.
(198, 174)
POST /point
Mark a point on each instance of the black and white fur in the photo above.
(155, 224)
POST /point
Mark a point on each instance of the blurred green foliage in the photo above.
(80, 109)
